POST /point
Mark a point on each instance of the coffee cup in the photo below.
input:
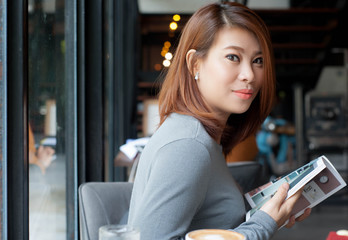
(118, 232)
(214, 234)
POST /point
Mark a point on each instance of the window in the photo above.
(52, 119)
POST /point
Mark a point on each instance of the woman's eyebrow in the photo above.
(258, 52)
(234, 47)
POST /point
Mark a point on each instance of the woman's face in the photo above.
(231, 74)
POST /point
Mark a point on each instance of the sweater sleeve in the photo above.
(174, 191)
(260, 226)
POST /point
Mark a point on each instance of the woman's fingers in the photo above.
(281, 194)
(280, 208)
(306, 214)
(290, 202)
(291, 222)
(273, 205)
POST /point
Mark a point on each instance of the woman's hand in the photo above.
(44, 157)
(280, 209)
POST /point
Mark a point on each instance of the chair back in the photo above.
(102, 203)
(247, 174)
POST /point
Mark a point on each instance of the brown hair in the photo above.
(180, 93)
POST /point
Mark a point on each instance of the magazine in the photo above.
(319, 180)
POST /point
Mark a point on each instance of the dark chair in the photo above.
(102, 203)
(247, 174)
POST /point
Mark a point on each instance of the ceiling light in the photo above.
(168, 56)
(176, 17)
(166, 63)
(173, 26)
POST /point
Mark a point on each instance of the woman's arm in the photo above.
(265, 222)
(174, 191)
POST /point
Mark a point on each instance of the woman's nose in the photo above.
(246, 73)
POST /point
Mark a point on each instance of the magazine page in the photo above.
(296, 180)
(325, 183)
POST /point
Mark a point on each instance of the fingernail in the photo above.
(285, 186)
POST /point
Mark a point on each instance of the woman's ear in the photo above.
(191, 61)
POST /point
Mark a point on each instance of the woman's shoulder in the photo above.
(180, 126)
(181, 137)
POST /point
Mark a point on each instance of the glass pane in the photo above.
(3, 130)
(47, 158)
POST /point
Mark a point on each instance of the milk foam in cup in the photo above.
(214, 234)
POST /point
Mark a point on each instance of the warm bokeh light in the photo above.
(176, 17)
(168, 56)
(158, 67)
(167, 44)
(173, 26)
(163, 53)
(166, 63)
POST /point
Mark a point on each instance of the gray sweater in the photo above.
(183, 183)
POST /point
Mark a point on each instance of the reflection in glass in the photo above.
(47, 184)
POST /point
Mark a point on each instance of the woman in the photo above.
(42, 156)
(217, 92)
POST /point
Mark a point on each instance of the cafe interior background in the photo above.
(79, 77)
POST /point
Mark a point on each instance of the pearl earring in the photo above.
(196, 76)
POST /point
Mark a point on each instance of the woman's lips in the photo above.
(243, 93)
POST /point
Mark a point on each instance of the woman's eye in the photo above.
(258, 60)
(232, 57)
